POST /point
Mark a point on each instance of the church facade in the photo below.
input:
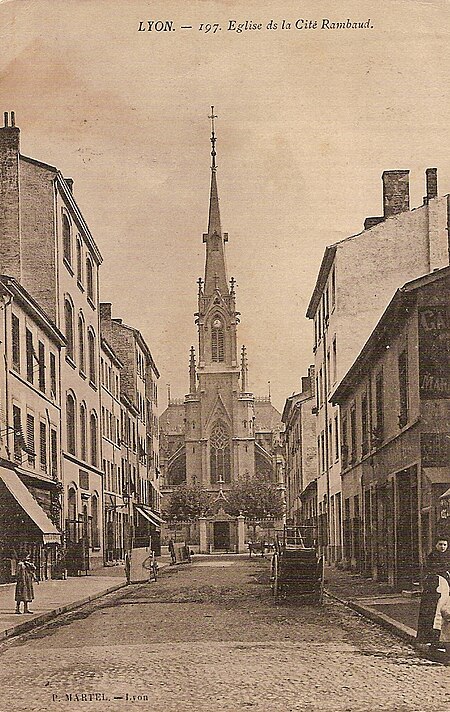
(220, 431)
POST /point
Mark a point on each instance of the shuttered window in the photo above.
(18, 436)
(43, 446)
(30, 351)
(41, 357)
(15, 328)
(53, 375)
(54, 453)
(30, 440)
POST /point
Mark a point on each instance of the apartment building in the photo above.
(395, 434)
(356, 280)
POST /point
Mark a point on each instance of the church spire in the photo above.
(192, 371)
(215, 268)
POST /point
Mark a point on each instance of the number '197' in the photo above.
(208, 27)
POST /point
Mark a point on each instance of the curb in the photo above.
(402, 631)
(50, 615)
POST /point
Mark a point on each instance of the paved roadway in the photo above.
(210, 637)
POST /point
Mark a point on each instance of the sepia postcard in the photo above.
(224, 355)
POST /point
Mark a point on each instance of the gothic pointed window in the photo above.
(220, 458)
(217, 341)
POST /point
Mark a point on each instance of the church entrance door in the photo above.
(221, 535)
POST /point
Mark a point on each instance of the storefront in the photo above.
(25, 528)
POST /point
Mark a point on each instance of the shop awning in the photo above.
(150, 515)
(27, 502)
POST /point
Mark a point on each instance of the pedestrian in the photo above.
(172, 552)
(445, 623)
(435, 585)
(25, 575)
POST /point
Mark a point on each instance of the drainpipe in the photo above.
(5, 358)
(326, 440)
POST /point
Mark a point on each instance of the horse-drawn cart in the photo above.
(297, 567)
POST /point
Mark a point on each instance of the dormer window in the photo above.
(217, 341)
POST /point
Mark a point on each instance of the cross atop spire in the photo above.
(213, 139)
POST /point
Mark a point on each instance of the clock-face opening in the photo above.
(217, 324)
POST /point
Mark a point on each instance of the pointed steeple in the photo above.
(215, 267)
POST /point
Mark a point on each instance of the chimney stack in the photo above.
(395, 192)
(105, 311)
(10, 248)
(431, 182)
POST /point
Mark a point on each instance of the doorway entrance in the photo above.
(221, 535)
(407, 527)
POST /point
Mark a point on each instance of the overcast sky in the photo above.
(308, 121)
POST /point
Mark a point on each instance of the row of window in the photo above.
(109, 379)
(333, 445)
(112, 477)
(140, 362)
(326, 306)
(84, 269)
(82, 524)
(327, 375)
(41, 452)
(110, 426)
(35, 360)
(77, 426)
(371, 430)
(85, 360)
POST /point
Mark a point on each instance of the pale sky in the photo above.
(308, 121)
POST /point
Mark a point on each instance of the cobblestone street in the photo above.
(210, 637)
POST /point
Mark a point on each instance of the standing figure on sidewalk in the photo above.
(172, 552)
(25, 575)
(437, 578)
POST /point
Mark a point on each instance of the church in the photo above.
(220, 431)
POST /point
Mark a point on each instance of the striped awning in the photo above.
(27, 502)
(150, 515)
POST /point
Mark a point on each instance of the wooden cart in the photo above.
(297, 568)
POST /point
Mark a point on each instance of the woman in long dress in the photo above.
(25, 575)
(435, 586)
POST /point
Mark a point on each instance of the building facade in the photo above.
(138, 498)
(30, 433)
(220, 431)
(357, 277)
(301, 454)
(78, 406)
(47, 247)
(395, 434)
(115, 509)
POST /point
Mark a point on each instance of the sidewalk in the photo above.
(398, 612)
(51, 598)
